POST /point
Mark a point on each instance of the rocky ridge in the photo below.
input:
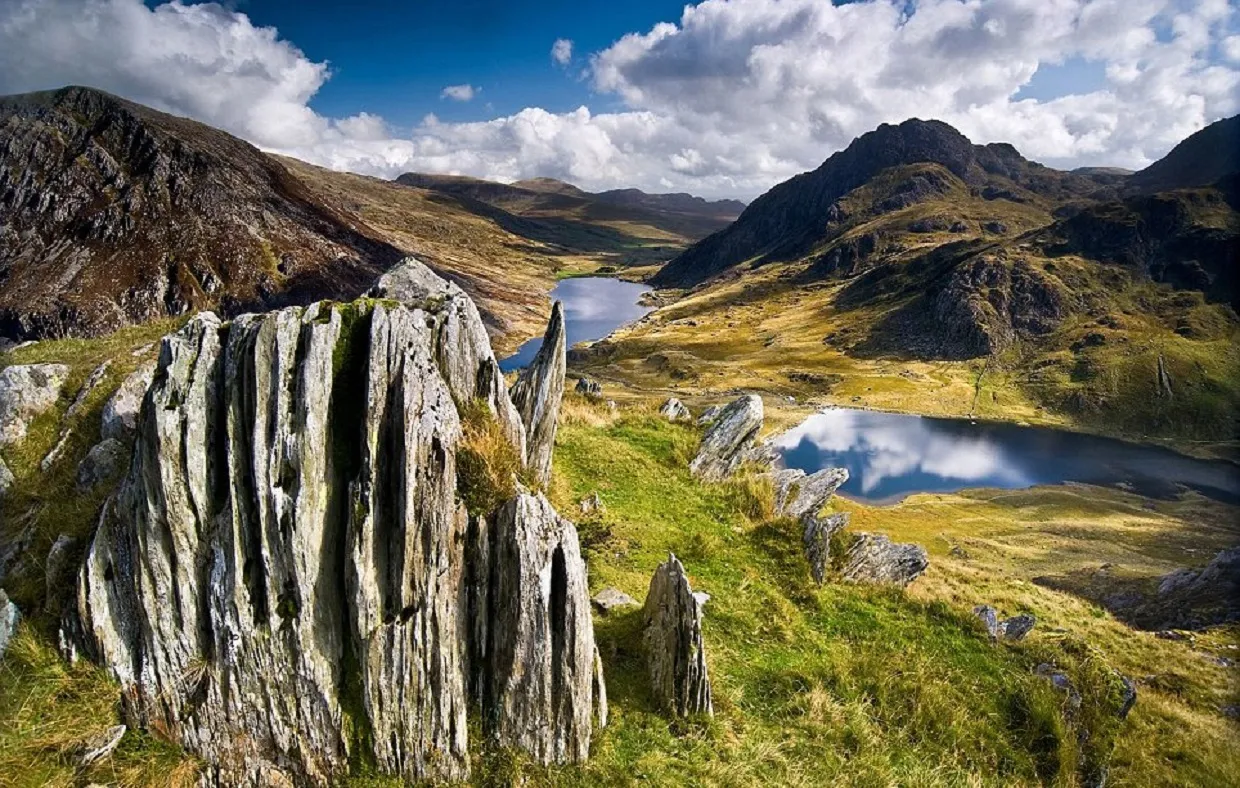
(287, 580)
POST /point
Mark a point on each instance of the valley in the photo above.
(365, 471)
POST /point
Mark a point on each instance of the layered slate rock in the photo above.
(283, 581)
(817, 541)
(541, 678)
(729, 440)
(537, 394)
(800, 495)
(874, 558)
(674, 410)
(675, 654)
(27, 391)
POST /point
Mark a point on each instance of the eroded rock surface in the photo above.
(806, 495)
(873, 558)
(727, 443)
(675, 654)
(538, 393)
(674, 410)
(288, 563)
(26, 392)
(120, 412)
(103, 463)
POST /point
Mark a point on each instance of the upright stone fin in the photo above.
(675, 654)
(728, 441)
(537, 394)
(543, 688)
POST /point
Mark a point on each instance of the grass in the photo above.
(813, 685)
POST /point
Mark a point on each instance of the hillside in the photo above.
(651, 227)
(919, 289)
(802, 214)
(1200, 160)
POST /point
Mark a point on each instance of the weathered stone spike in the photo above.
(675, 653)
(537, 395)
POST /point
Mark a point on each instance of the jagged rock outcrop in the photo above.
(9, 616)
(709, 415)
(675, 654)
(674, 410)
(542, 687)
(1014, 628)
(538, 393)
(26, 392)
(800, 495)
(874, 558)
(588, 387)
(817, 540)
(286, 579)
(727, 443)
(120, 412)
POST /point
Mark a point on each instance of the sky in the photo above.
(722, 98)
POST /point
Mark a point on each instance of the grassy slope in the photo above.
(856, 685)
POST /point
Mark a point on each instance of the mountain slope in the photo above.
(1200, 160)
(112, 213)
(800, 213)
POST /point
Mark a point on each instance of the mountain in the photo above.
(112, 213)
(606, 221)
(796, 216)
(1204, 158)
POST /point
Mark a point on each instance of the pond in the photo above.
(890, 456)
(594, 306)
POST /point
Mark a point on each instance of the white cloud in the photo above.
(459, 92)
(562, 51)
(733, 97)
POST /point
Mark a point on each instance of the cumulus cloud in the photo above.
(459, 92)
(729, 99)
(562, 51)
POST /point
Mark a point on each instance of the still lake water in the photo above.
(594, 306)
(890, 456)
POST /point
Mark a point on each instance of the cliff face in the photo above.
(287, 581)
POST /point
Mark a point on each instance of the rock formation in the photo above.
(103, 463)
(800, 495)
(6, 479)
(588, 387)
(674, 410)
(537, 395)
(873, 558)
(675, 654)
(727, 442)
(120, 412)
(9, 616)
(540, 668)
(27, 391)
(1014, 628)
(709, 415)
(817, 541)
(286, 580)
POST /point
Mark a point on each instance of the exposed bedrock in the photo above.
(538, 393)
(286, 578)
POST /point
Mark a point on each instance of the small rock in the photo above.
(1231, 712)
(675, 410)
(6, 479)
(589, 388)
(9, 616)
(990, 619)
(675, 654)
(709, 415)
(103, 463)
(120, 412)
(609, 599)
(612, 406)
(1014, 628)
(27, 391)
(591, 505)
(1173, 634)
(101, 745)
(873, 558)
(817, 541)
(1061, 682)
(958, 552)
(729, 441)
(1129, 696)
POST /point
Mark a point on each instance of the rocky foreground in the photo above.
(288, 578)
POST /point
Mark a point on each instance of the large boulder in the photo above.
(27, 391)
(120, 412)
(728, 442)
(290, 529)
(537, 394)
(541, 679)
(873, 558)
(675, 653)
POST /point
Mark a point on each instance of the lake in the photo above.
(890, 456)
(594, 306)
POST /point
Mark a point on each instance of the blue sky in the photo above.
(721, 98)
(394, 58)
